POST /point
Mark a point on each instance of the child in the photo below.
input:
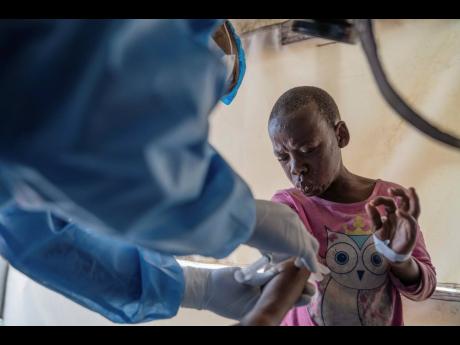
(354, 218)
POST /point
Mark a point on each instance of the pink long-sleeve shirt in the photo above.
(361, 290)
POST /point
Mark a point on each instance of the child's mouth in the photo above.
(306, 189)
(309, 190)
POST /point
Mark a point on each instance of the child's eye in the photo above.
(308, 149)
(283, 158)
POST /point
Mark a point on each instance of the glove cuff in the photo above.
(196, 281)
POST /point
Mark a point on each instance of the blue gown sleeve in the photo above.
(120, 281)
(106, 123)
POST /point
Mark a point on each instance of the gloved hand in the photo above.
(217, 290)
(280, 231)
(250, 275)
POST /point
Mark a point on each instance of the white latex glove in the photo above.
(279, 230)
(217, 290)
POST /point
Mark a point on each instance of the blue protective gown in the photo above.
(122, 282)
(105, 125)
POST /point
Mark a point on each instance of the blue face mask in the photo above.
(228, 98)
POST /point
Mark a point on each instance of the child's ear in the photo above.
(342, 134)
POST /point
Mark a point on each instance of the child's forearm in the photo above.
(407, 272)
(261, 318)
(278, 296)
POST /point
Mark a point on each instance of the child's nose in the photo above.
(298, 168)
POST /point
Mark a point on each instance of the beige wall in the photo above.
(422, 58)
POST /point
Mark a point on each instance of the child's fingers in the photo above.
(411, 220)
(307, 294)
(390, 225)
(302, 301)
(405, 201)
(412, 228)
(386, 232)
(415, 203)
(374, 215)
(310, 289)
(389, 203)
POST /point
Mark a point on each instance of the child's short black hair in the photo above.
(301, 96)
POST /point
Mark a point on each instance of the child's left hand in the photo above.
(399, 226)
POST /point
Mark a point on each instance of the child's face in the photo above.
(307, 147)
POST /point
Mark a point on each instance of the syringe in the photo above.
(246, 273)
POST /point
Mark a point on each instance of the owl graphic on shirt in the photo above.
(357, 291)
